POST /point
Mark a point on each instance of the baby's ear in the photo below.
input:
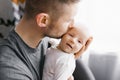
(88, 42)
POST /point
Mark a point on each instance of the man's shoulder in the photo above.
(11, 64)
(7, 52)
(5, 46)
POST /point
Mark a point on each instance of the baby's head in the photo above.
(74, 39)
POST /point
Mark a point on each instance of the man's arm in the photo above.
(9, 71)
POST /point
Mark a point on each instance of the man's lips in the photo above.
(69, 45)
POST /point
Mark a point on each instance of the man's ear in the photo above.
(42, 19)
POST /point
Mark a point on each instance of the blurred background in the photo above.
(103, 19)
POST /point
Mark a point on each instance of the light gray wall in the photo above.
(103, 65)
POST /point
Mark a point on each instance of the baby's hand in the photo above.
(84, 48)
(71, 78)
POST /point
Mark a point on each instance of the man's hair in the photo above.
(34, 7)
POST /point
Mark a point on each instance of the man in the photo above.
(24, 49)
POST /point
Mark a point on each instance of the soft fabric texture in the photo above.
(58, 65)
(18, 61)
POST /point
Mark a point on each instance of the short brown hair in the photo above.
(34, 7)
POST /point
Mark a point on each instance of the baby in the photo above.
(60, 60)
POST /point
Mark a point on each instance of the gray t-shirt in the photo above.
(18, 61)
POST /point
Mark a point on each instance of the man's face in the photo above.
(73, 40)
(59, 27)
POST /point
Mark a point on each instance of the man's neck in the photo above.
(28, 32)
